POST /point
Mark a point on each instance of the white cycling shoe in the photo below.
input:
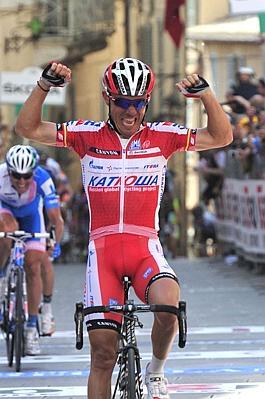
(32, 342)
(47, 323)
(156, 385)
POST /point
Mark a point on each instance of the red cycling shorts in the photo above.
(112, 257)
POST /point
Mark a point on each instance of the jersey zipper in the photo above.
(122, 189)
(122, 192)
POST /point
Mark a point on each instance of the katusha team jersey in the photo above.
(124, 179)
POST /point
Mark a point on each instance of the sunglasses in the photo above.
(18, 176)
(125, 104)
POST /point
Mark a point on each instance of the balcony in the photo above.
(72, 27)
(80, 25)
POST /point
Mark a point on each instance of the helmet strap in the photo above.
(113, 125)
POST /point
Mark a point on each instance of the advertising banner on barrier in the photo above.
(241, 214)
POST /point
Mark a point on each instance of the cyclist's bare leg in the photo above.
(7, 223)
(47, 275)
(165, 326)
(104, 346)
(33, 277)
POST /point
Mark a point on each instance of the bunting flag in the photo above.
(173, 23)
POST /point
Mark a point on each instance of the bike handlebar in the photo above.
(23, 235)
(127, 308)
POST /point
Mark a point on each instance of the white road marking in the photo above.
(237, 354)
(191, 331)
(238, 388)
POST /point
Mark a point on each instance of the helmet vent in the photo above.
(128, 77)
(22, 159)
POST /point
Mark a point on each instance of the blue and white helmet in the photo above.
(22, 159)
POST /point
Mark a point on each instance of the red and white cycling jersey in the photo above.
(124, 182)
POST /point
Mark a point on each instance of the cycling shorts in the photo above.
(33, 222)
(112, 257)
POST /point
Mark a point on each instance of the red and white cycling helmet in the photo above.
(22, 159)
(128, 77)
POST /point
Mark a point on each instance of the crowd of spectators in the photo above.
(246, 107)
(244, 158)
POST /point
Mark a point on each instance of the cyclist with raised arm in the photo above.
(25, 189)
(123, 166)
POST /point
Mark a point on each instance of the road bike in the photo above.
(129, 381)
(15, 304)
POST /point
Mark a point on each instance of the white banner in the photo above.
(15, 87)
(247, 6)
(241, 214)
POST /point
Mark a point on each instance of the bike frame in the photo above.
(17, 262)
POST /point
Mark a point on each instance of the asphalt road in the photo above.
(224, 356)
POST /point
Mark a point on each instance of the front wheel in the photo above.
(19, 318)
(131, 381)
(10, 343)
(9, 322)
(182, 320)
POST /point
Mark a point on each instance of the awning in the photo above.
(243, 29)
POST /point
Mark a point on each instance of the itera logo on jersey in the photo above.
(115, 181)
(151, 166)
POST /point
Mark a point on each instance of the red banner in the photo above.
(173, 23)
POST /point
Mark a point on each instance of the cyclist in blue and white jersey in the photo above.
(26, 189)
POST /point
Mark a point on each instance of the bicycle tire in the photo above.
(9, 335)
(10, 348)
(19, 319)
(131, 383)
(182, 319)
(138, 378)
